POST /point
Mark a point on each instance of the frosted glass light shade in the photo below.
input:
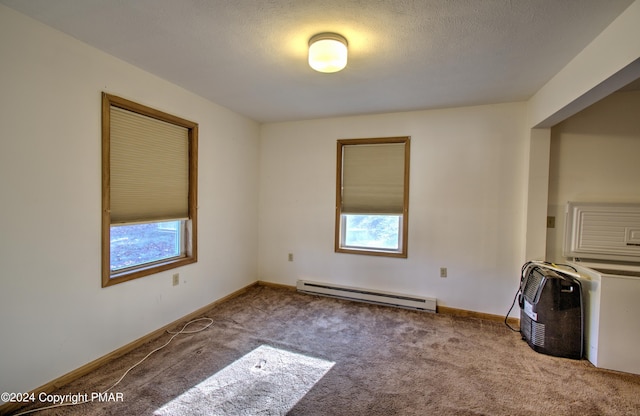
(327, 52)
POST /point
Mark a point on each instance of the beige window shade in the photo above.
(373, 178)
(149, 168)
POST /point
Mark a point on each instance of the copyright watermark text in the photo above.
(69, 398)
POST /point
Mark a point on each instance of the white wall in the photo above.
(55, 315)
(609, 62)
(538, 185)
(466, 204)
(594, 158)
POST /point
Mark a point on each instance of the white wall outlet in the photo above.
(176, 279)
(443, 272)
(290, 257)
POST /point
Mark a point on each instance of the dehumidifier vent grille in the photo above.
(533, 283)
(537, 333)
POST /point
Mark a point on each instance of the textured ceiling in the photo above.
(250, 55)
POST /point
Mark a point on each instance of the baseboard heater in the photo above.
(366, 295)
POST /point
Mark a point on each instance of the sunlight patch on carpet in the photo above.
(266, 381)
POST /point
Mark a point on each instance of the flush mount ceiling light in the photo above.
(327, 52)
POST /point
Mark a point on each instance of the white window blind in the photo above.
(373, 178)
(149, 168)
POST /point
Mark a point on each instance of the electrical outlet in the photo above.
(176, 279)
(443, 272)
(551, 222)
(290, 256)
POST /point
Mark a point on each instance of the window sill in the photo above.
(110, 279)
(371, 252)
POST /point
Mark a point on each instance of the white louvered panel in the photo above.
(603, 231)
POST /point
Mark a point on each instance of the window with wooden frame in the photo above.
(149, 190)
(372, 196)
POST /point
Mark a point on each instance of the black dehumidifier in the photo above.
(551, 317)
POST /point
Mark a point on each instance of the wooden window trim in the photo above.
(109, 279)
(338, 210)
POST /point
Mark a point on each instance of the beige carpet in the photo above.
(272, 351)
